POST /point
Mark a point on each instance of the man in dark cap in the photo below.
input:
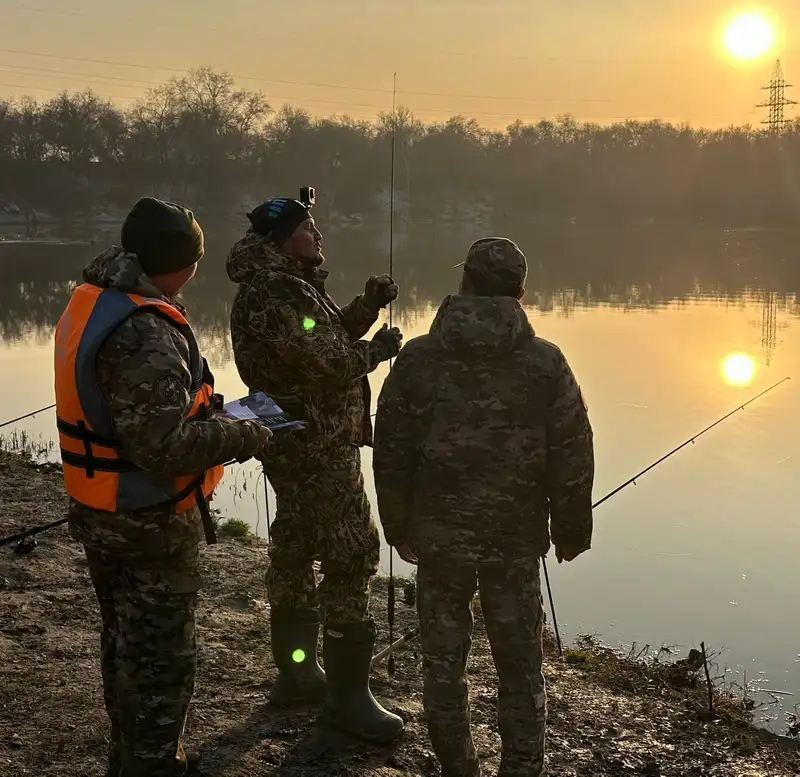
(142, 453)
(481, 436)
(292, 341)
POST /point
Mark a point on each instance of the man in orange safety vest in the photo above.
(142, 452)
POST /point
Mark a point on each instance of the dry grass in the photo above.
(20, 443)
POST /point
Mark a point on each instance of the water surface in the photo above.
(702, 548)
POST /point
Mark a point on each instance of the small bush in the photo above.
(578, 657)
(235, 529)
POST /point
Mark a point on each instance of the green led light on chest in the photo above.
(309, 324)
(298, 656)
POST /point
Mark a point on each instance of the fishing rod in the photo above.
(414, 632)
(684, 444)
(633, 481)
(27, 415)
(391, 593)
(266, 502)
(552, 608)
(30, 532)
(44, 527)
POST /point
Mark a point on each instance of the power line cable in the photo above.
(149, 22)
(133, 81)
(319, 85)
(450, 112)
(507, 98)
(59, 91)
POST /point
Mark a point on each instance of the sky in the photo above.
(600, 60)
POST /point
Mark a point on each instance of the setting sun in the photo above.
(749, 35)
(738, 369)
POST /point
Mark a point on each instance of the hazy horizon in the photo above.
(494, 63)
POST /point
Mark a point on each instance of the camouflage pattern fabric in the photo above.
(144, 564)
(322, 513)
(498, 258)
(292, 341)
(149, 657)
(481, 434)
(511, 602)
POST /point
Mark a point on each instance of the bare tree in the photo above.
(201, 137)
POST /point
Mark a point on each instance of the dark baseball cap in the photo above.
(497, 258)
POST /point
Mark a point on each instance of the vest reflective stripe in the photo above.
(96, 471)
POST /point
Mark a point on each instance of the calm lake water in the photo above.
(703, 548)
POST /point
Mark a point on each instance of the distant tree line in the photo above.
(201, 139)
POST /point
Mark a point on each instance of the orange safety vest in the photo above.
(96, 472)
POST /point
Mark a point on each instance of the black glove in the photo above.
(380, 291)
(388, 342)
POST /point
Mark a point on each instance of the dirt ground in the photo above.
(607, 715)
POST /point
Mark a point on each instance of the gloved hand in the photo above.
(255, 438)
(379, 291)
(566, 552)
(405, 553)
(389, 341)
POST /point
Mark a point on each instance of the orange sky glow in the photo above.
(601, 61)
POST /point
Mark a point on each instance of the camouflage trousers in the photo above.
(511, 601)
(148, 658)
(322, 514)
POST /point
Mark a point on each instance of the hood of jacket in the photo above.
(486, 325)
(254, 253)
(119, 269)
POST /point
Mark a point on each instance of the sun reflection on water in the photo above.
(738, 369)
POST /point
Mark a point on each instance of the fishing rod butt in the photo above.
(552, 607)
(396, 645)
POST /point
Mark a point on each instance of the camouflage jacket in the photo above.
(143, 371)
(292, 341)
(481, 433)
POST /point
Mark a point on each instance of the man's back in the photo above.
(482, 434)
(481, 430)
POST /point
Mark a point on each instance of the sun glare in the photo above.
(738, 369)
(749, 36)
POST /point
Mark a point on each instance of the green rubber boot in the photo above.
(349, 703)
(295, 635)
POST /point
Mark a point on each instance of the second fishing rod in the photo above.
(412, 633)
(391, 592)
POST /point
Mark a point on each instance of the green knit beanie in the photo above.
(164, 236)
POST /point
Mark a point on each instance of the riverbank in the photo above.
(609, 715)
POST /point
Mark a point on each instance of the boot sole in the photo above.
(373, 739)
